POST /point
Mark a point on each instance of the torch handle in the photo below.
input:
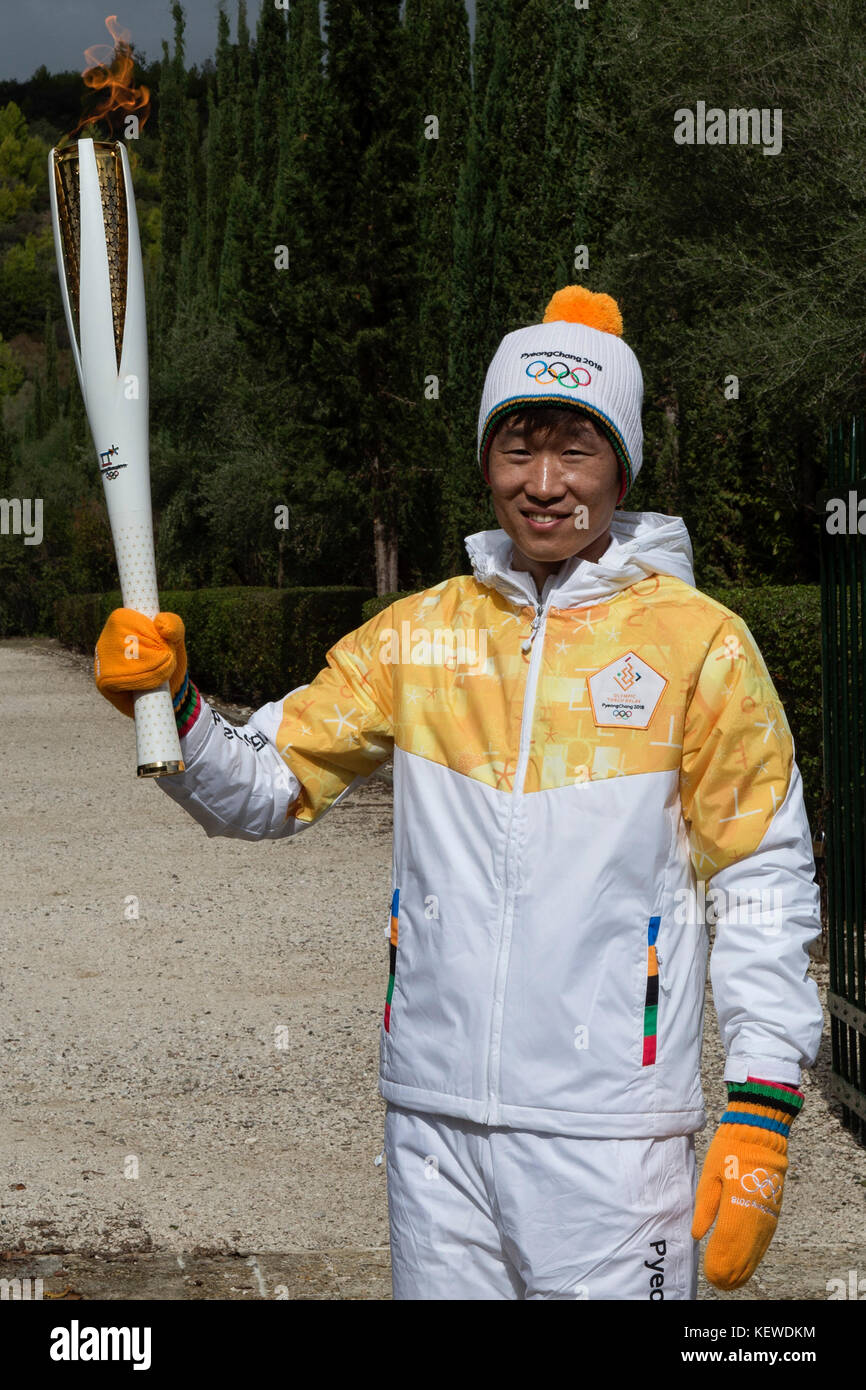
(156, 741)
(156, 737)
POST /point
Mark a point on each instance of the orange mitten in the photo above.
(743, 1178)
(133, 653)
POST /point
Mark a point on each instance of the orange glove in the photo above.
(743, 1178)
(133, 653)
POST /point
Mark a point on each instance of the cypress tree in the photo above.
(465, 502)
(236, 294)
(368, 72)
(566, 161)
(51, 398)
(6, 457)
(220, 153)
(173, 166)
(492, 152)
(226, 79)
(438, 34)
(270, 96)
(304, 216)
(535, 202)
(244, 98)
(192, 273)
(314, 306)
(299, 23)
(38, 424)
(247, 289)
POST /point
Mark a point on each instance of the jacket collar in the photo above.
(641, 544)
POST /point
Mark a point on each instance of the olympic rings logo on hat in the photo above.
(559, 372)
(769, 1185)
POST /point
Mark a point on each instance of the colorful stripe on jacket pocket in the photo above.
(392, 952)
(651, 1004)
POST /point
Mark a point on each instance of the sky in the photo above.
(56, 32)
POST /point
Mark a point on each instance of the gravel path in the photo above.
(148, 1046)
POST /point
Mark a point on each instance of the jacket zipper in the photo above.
(539, 623)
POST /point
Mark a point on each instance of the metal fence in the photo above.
(843, 621)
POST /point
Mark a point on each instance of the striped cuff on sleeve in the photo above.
(764, 1104)
(187, 706)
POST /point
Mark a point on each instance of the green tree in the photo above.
(22, 164)
(733, 264)
(193, 268)
(314, 308)
(11, 375)
(465, 501)
(438, 35)
(239, 265)
(221, 149)
(244, 99)
(368, 69)
(28, 281)
(272, 60)
(51, 393)
(174, 142)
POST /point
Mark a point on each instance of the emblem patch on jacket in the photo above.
(625, 693)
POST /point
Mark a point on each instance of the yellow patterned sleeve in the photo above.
(340, 726)
(738, 752)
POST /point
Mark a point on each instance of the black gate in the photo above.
(843, 621)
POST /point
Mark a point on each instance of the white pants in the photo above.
(481, 1212)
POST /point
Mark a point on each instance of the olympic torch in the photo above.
(102, 286)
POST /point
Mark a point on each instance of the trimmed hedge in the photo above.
(379, 602)
(785, 621)
(786, 624)
(243, 644)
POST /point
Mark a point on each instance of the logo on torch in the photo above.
(106, 467)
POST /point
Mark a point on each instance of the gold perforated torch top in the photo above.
(113, 195)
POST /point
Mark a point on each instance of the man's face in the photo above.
(554, 492)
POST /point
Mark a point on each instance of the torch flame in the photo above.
(109, 71)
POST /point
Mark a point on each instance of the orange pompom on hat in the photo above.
(574, 304)
(575, 357)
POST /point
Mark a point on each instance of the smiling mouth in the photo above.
(543, 518)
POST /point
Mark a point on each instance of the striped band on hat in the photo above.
(518, 403)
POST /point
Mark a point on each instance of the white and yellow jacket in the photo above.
(580, 781)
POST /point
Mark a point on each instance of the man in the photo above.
(581, 742)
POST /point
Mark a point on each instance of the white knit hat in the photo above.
(575, 357)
